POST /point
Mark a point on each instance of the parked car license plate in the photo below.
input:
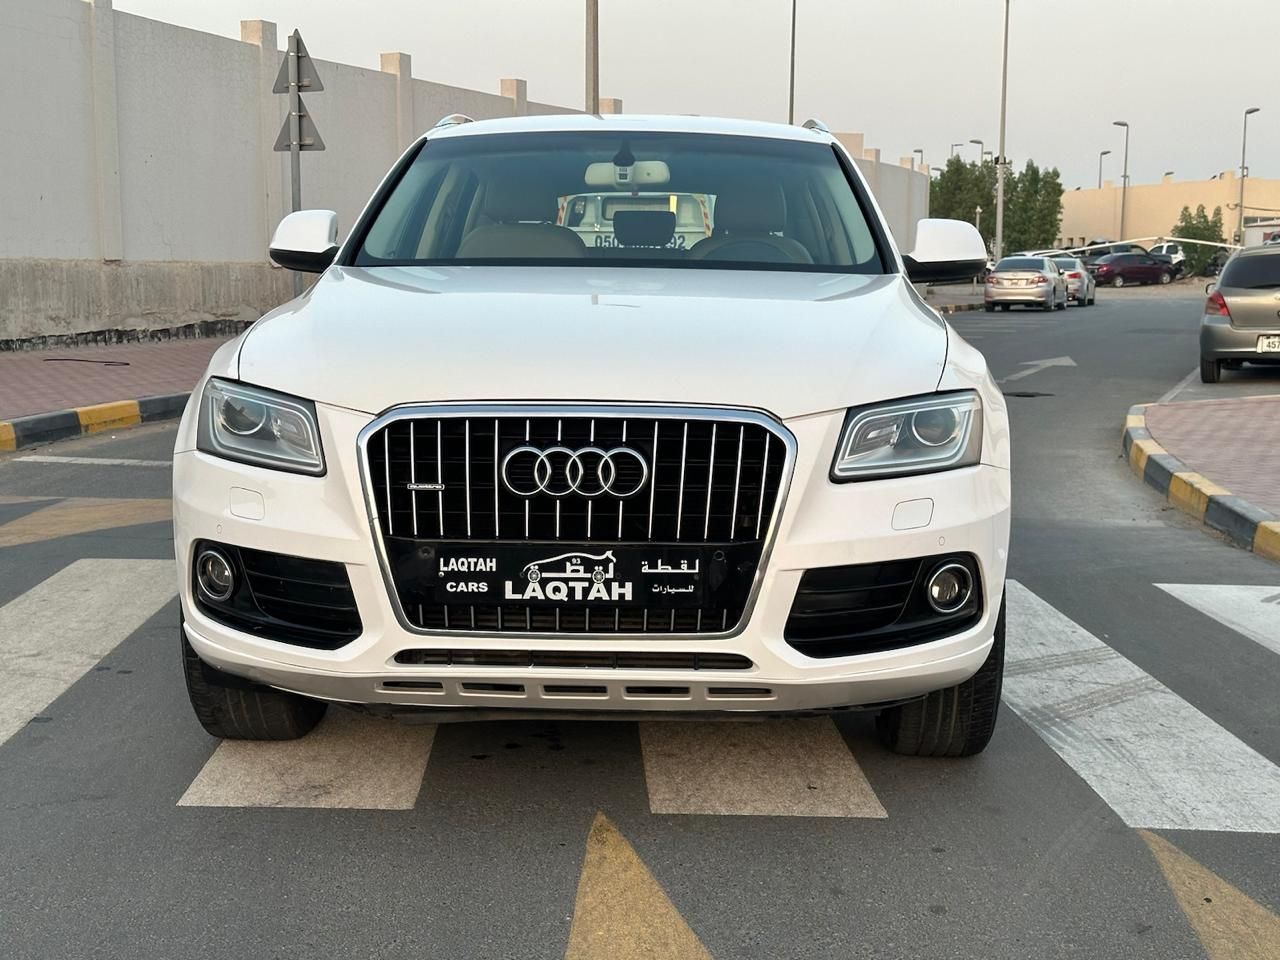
(1269, 344)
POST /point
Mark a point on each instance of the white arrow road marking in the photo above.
(57, 631)
(349, 761)
(1157, 760)
(1035, 366)
(1251, 610)
(778, 768)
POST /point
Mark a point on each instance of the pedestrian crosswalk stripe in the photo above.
(781, 768)
(1253, 611)
(349, 761)
(1158, 761)
(57, 631)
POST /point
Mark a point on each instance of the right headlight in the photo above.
(940, 431)
(258, 426)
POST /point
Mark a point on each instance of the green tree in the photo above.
(1033, 208)
(960, 189)
(1198, 226)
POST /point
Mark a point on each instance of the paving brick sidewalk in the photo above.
(1235, 443)
(40, 381)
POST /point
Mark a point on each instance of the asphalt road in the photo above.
(1128, 806)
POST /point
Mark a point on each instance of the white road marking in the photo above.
(778, 768)
(58, 630)
(1251, 610)
(1157, 760)
(1035, 366)
(91, 461)
(348, 761)
(1180, 386)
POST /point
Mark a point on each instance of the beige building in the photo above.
(1153, 208)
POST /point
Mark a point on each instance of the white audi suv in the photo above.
(487, 468)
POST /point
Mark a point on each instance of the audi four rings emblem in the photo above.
(588, 471)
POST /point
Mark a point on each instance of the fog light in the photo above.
(949, 588)
(214, 575)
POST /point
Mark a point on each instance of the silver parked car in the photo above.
(1241, 322)
(1030, 281)
(1081, 287)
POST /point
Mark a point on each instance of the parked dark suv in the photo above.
(1118, 269)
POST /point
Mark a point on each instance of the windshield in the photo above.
(1065, 263)
(1252, 273)
(1020, 263)
(661, 199)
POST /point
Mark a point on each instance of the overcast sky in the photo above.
(907, 73)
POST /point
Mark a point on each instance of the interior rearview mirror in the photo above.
(946, 250)
(306, 241)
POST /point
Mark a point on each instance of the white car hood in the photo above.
(788, 343)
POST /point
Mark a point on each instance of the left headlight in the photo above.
(921, 435)
(259, 426)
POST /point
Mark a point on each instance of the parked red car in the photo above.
(1118, 269)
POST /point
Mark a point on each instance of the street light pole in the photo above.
(791, 88)
(1124, 177)
(1244, 172)
(981, 150)
(1101, 154)
(953, 149)
(920, 151)
(1001, 159)
(593, 56)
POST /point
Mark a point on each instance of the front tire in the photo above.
(1210, 370)
(990, 308)
(1166, 277)
(237, 709)
(955, 722)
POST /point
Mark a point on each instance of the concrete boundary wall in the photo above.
(138, 185)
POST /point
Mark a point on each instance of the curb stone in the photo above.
(1234, 517)
(78, 421)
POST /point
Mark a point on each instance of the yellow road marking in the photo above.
(1190, 493)
(1230, 925)
(107, 416)
(621, 912)
(63, 518)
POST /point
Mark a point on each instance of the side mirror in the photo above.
(306, 241)
(946, 250)
(1208, 287)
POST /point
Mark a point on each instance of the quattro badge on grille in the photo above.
(588, 471)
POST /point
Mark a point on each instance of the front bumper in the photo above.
(823, 524)
(1219, 340)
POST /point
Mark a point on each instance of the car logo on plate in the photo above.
(588, 471)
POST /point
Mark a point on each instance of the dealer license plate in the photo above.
(1269, 344)
(550, 574)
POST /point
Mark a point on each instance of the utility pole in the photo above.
(791, 87)
(593, 56)
(1244, 172)
(1101, 154)
(1001, 159)
(1124, 177)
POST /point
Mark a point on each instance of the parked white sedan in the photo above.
(756, 475)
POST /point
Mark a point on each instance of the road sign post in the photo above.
(299, 133)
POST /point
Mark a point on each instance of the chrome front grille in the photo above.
(444, 476)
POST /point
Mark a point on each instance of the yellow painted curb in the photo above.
(8, 440)
(1140, 451)
(108, 416)
(1266, 539)
(1190, 492)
